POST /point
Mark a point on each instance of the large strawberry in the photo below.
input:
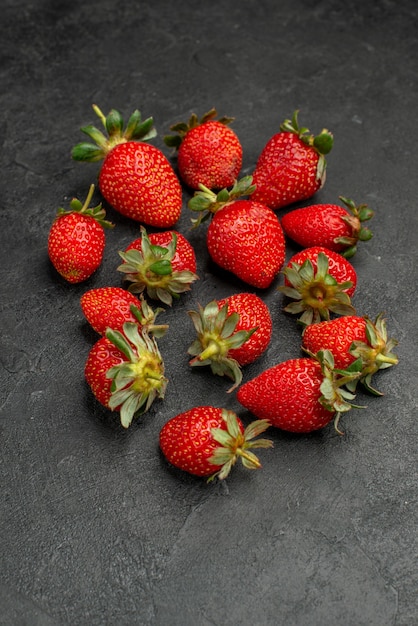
(351, 337)
(292, 165)
(207, 441)
(231, 332)
(208, 151)
(319, 282)
(125, 372)
(76, 239)
(135, 178)
(243, 237)
(300, 395)
(330, 225)
(162, 264)
(111, 307)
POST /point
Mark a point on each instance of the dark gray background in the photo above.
(95, 527)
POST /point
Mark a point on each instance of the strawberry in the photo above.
(231, 332)
(351, 337)
(320, 282)
(243, 237)
(135, 178)
(163, 264)
(125, 372)
(300, 395)
(207, 441)
(76, 239)
(111, 307)
(291, 166)
(208, 151)
(329, 225)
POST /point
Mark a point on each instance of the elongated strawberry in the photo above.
(351, 337)
(135, 178)
(231, 332)
(111, 307)
(161, 264)
(243, 237)
(76, 240)
(319, 282)
(329, 225)
(300, 395)
(208, 151)
(208, 441)
(291, 166)
(125, 372)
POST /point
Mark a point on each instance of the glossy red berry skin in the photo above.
(102, 356)
(184, 258)
(108, 307)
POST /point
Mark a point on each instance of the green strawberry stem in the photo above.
(98, 213)
(182, 128)
(207, 202)
(355, 218)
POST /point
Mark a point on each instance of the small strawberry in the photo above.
(351, 337)
(136, 179)
(320, 282)
(76, 239)
(300, 395)
(207, 441)
(231, 332)
(111, 307)
(291, 166)
(209, 152)
(125, 372)
(163, 264)
(243, 237)
(329, 225)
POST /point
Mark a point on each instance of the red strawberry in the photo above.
(232, 332)
(243, 237)
(351, 337)
(126, 372)
(135, 178)
(299, 395)
(329, 225)
(209, 152)
(291, 166)
(207, 441)
(76, 240)
(320, 282)
(111, 307)
(162, 264)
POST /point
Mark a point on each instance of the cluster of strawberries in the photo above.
(125, 369)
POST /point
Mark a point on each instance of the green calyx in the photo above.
(98, 213)
(206, 202)
(216, 336)
(137, 382)
(357, 215)
(115, 133)
(146, 317)
(235, 444)
(182, 128)
(315, 294)
(150, 269)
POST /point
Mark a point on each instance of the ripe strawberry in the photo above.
(231, 332)
(351, 337)
(320, 282)
(125, 372)
(209, 152)
(300, 395)
(207, 441)
(163, 264)
(76, 240)
(329, 225)
(291, 166)
(111, 307)
(243, 237)
(135, 178)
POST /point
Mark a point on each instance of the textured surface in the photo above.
(95, 528)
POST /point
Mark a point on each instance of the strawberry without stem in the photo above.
(231, 332)
(135, 178)
(207, 441)
(76, 239)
